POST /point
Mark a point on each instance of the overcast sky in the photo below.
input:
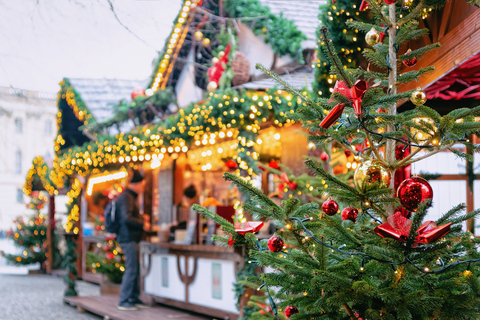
(42, 41)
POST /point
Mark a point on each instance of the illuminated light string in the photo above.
(194, 128)
(105, 178)
(365, 256)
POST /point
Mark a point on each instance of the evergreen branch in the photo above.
(254, 191)
(412, 14)
(288, 87)
(334, 59)
(429, 154)
(450, 213)
(315, 167)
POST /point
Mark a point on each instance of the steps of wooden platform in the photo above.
(106, 307)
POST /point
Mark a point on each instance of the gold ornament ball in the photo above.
(371, 175)
(372, 37)
(214, 60)
(221, 54)
(212, 86)
(418, 97)
(205, 42)
(198, 35)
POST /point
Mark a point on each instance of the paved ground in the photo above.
(28, 297)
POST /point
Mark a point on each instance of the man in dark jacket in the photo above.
(129, 236)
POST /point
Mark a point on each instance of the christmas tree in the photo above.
(378, 259)
(108, 260)
(30, 235)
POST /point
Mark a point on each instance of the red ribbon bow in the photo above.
(363, 6)
(357, 93)
(398, 228)
(248, 227)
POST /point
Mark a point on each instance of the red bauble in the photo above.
(273, 164)
(137, 92)
(231, 241)
(390, 1)
(350, 214)
(330, 207)
(275, 244)
(109, 255)
(231, 164)
(413, 191)
(411, 62)
(324, 156)
(348, 153)
(290, 311)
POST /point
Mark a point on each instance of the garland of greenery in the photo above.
(69, 264)
(74, 100)
(39, 171)
(143, 109)
(278, 31)
(243, 112)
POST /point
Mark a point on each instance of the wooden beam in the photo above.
(447, 14)
(458, 45)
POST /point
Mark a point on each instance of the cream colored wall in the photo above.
(34, 109)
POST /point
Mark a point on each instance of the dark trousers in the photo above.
(130, 282)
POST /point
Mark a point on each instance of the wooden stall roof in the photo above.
(457, 28)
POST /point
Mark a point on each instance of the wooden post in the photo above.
(50, 231)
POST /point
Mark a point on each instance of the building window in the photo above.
(18, 125)
(48, 127)
(19, 196)
(18, 162)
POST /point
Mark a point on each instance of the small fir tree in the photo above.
(373, 261)
(30, 235)
(108, 260)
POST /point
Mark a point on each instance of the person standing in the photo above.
(128, 237)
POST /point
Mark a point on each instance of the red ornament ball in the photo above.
(330, 207)
(390, 1)
(275, 244)
(413, 191)
(411, 62)
(324, 156)
(290, 311)
(349, 213)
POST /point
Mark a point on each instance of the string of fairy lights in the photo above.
(39, 168)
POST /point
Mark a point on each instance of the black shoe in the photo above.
(140, 304)
(126, 306)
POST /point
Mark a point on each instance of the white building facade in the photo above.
(27, 129)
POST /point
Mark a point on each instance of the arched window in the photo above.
(18, 125)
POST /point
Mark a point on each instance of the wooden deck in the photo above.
(106, 307)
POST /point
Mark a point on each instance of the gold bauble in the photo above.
(371, 175)
(221, 54)
(212, 86)
(205, 42)
(198, 35)
(418, 97)
(372, 37)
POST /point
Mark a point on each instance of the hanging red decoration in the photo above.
(273, 164)
(275, 244)
(248, 227)
(398, 228)
(330, 207)
(390, 1)
(231, 164)
(290, 311)
(349, 213)
(363, 6)
(382, 34)
(411, 62)
(215, 72)
(324, 156)
(137, 92)
(413, 191)
(291, 185)
(231, 241)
